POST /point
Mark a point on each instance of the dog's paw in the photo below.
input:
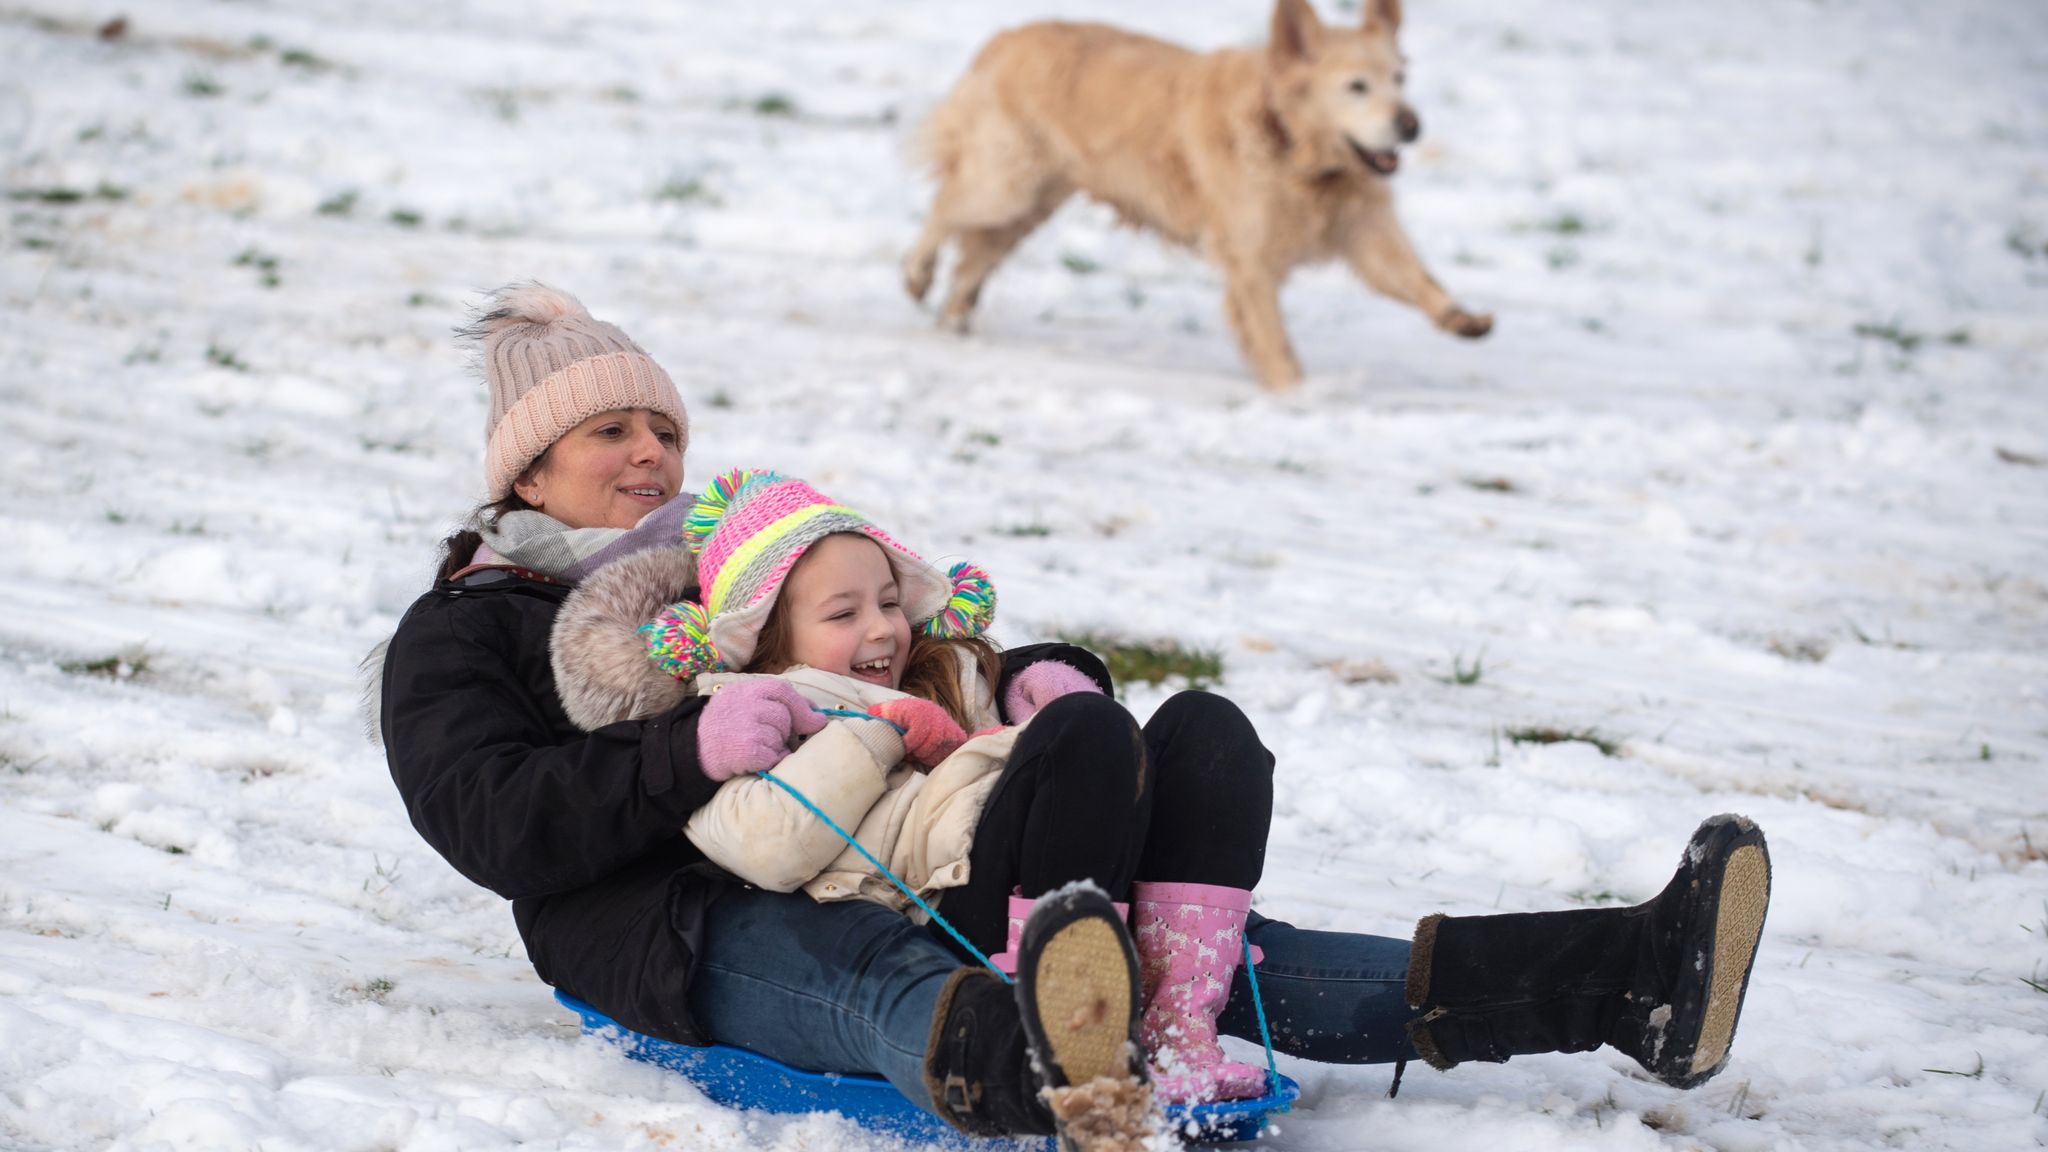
(917, 277)
(1470, 325)
(958, 323)
(1281, 379)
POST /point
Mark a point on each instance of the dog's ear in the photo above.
(1297, 34)
(1383, 16)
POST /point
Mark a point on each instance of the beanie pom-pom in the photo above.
(717, 499)
(530, 302)
(679, 641)
(970, 609)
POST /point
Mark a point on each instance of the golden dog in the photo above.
(1261, 159)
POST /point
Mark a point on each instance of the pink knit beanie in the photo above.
(550, 366)
(748, 529)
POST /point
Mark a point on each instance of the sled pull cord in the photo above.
(1265, 1036)
(884, 868)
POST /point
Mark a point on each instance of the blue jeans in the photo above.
(851, 987)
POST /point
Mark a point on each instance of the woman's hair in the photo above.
(930, 669)
(459, 546)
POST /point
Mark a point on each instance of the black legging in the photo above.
(1089, 795)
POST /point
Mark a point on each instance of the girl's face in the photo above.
(844, 612)
(608, 471)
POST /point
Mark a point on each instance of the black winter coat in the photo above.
(581, 831)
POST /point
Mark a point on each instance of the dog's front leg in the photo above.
(1251, 300)
(1379, 252)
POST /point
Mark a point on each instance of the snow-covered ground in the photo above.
(1751, 483)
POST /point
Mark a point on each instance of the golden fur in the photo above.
(1262, 159)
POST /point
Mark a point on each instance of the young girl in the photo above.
(829, 630)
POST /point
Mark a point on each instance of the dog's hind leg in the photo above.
(922, 261)
(1379, 252)
(981, 249)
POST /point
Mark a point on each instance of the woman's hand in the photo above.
(929, 734)
(1039, 684)
(748, 727)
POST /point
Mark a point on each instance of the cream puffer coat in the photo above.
(920, 824)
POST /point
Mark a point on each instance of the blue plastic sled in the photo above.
(741, 1079)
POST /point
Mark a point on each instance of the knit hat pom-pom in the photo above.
(679, 641)
(717, 498)
(970, 609)
(529, 303)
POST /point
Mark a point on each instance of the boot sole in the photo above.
(1081, 986)
(1745, 898)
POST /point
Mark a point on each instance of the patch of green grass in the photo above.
(1798, 649)
(686, 190)
(374, 990)
(1973, 1074)
(1490, 484)
(719, 398)
(225, 358)
(1893, 333)
(342, 203)
(1078, 264)
(1548, 735)
(2022, 242)
(263, 262)
(301, 58)
(503, 103)
(1021, 530)
(1463, 675)
(105, 190)
(1565, 223)
(1151, 661)
(202, 85)
(774, 104)
(120, 666)
(1561, 257)
(405, 218)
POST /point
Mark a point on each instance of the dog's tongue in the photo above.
(1384, 162)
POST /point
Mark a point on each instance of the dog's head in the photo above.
(1337, 91)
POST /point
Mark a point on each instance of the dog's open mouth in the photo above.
(1382, 162)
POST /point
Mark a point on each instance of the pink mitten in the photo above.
(929, 734)
(748, 725)
(1041, 683)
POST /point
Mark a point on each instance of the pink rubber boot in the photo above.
(1020, 908)
(1190, 941)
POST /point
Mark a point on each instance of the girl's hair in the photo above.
(930, 669)
(459, 546)
(932, 672)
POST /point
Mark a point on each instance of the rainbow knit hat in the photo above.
(748, 529)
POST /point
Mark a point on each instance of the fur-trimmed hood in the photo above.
(602, 672)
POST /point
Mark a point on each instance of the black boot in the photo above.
(1661, 981)
(976, 1065)
(1057, 1054)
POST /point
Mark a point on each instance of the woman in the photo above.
(583, 830)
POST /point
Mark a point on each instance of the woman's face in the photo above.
(845, 614)
(608, 471)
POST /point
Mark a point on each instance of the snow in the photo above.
(1749, 482)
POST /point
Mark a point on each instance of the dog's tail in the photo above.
(949, 129)
(940, 138)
